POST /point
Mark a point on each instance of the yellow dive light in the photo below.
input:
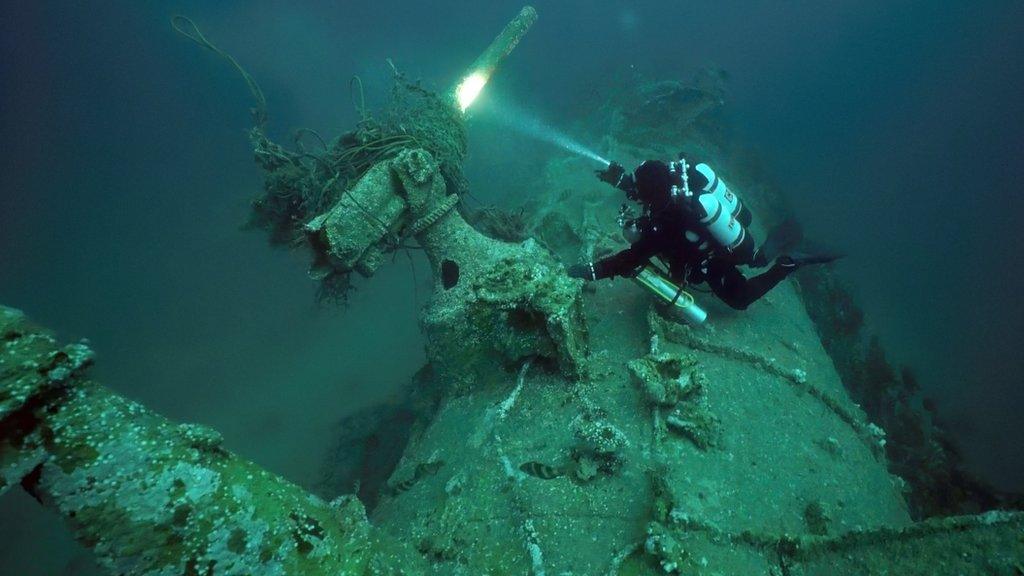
(652, 278)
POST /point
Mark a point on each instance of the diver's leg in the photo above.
(745, 253)
(738, 291)
(781, 239)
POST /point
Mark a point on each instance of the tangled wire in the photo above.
(302, 183)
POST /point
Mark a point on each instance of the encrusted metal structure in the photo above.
(570, 432)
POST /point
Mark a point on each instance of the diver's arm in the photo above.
(617, 176)
(625, 263)
(627, 185)
(738, 291)
(628, 262)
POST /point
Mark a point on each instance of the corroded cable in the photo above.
(187, 28)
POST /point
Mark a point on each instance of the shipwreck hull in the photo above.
(791, 455)
(560, 430)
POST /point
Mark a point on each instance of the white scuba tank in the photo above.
(721, 206)
(720, 224)
(716, 186)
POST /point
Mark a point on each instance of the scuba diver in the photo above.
(697, 227)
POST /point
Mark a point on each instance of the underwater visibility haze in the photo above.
(576, 288)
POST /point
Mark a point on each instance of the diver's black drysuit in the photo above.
(670, 230)
(663, 235)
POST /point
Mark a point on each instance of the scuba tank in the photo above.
(680, 301)
(730, 202)
(720, 224)
(721, 208)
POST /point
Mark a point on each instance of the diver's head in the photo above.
(653, 184)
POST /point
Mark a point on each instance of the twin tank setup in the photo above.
(722, 224)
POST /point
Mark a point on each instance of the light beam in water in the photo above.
(531, 126)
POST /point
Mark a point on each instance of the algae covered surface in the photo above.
(543, 425)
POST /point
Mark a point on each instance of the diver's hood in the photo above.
(654, 183)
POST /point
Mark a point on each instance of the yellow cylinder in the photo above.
(681, 301)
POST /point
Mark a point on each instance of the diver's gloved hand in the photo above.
(798, 259)
(612, 174)
(582, 271)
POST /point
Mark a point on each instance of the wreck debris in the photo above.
(500, 224)
(510, 401)
(830, 445)
(662, 377)
(987, 543)
(621, 556)
(671, 557)
(816, 519)
(494, 415)
(586, 468)
(511, 301)
(950, 545)
(870, 434)
(599, 444)
(149, 496)
(673, 383)
(532, 543)
(696, 423)
(599, 437)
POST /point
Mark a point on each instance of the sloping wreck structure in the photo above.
(556, 431)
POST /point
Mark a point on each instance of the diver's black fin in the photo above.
(781, 239)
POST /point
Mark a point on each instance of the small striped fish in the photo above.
(543, 471)
(421, 471)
